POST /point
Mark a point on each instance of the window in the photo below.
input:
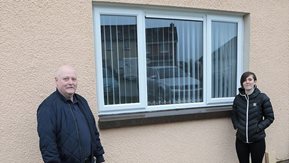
(151, 60)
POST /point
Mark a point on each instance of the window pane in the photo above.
(174, 61)
(224, 59)
(119, 59)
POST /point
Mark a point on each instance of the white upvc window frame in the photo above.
(239, 21)
(141, 14)
(99, 85)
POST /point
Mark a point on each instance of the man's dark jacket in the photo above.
(251, 115)
(58, 131)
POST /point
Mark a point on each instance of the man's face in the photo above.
(66, 81)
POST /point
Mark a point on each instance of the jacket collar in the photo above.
(254, 94)
(63, 98)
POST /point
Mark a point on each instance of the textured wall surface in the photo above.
(37, 36)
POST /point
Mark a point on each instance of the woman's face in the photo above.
(249, 83)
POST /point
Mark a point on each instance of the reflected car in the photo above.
(170, 85)
(128, 68)
(110, 86)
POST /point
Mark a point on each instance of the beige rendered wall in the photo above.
(37, 36)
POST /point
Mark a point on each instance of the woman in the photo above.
(252, 114)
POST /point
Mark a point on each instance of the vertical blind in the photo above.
(119, 59)
(224, 59)
(174, 61)
(174, 53)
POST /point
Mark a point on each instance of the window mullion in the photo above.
(142, 60)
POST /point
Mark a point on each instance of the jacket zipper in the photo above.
(77, 132)
(247, 119)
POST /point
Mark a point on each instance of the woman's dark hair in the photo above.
(245, 75)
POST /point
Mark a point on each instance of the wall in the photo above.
(36, 37)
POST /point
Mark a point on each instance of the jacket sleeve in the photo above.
(98, 152)
(268, 113)
(46, 128)
(234, 116)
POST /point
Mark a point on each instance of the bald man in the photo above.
(66, 125)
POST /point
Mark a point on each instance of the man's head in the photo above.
(66, 81)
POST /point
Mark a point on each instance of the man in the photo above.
(66, 126)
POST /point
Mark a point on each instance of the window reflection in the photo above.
(119, 59)
(224, 59)
(174, 52)
(173, 47)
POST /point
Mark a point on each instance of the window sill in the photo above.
(158, 117)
